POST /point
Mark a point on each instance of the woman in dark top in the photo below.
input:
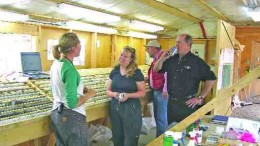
(125, 86)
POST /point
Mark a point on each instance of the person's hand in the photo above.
(116, 95)
(169, 52)
(165, 55)
(123, 97)
(146, 79)
(91, 92)
(194, 101)
(165, 95)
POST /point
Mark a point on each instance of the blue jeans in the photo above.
(160, 112)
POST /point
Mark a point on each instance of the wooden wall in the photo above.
(47, 33)
(246, 36)
(7, 27)
(87, 37)
(210, 47)
(139, 50)
(104, 50)
(121, 41)
(105, 53)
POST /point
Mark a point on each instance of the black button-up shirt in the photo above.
(185, 74)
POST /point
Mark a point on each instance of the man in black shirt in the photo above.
(185, 72)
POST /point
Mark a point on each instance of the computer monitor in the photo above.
(31, 62)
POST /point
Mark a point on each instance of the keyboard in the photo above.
(37, 75)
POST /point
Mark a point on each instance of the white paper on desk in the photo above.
(244, 125)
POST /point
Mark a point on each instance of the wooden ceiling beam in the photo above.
(108, 12)
(246, 23)
(210, 9)
(171, 10)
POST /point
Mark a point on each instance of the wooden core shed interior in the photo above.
(214, 24)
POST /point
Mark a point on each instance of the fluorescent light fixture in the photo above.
(134, 24)
(95, 3)
(76, 25)
(9, 16)
(141, 35)
(7, 2)
(87, 14)
(254, 13)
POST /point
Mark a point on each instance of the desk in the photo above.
(211, 130)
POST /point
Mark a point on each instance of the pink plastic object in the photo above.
(247, 137)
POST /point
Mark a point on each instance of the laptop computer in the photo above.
(31, 65)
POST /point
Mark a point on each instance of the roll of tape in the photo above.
(219, 130)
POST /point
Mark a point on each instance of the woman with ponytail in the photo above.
(126, 85)
(68, 117)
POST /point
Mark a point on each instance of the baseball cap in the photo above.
(153, 43)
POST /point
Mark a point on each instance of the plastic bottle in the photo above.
(167, 139)
(175, 143)
(192, 141)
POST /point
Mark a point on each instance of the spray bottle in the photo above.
(176, 136)
(192, 141)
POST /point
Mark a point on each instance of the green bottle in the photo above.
(167, 139)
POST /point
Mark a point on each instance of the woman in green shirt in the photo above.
(68, 117)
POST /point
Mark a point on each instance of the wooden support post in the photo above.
(113, 53)
(143, 52)
(94, 50)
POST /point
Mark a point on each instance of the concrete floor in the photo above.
(251, 112)
(143, 140)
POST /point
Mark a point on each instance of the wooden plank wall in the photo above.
(96, 56)
(139, 50)
(104, 50)
(47, 33)
(20, 28)
(87, 37)
(122, 41)
(246, 36)
(210, 47)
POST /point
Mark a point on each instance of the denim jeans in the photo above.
(160, 112)
(70, 128)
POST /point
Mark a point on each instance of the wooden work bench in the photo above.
(35, 129)
(38, 127)
(15, 133)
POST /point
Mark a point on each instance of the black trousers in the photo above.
(126, 120)
(178, 110)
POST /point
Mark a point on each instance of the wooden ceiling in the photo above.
(174, 15)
